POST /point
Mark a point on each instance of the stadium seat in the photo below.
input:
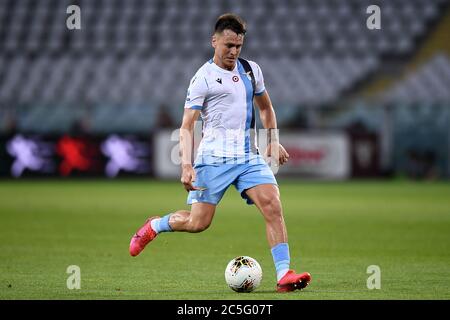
(146, 51)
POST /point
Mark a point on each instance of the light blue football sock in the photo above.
(280, 254)
(161, 224)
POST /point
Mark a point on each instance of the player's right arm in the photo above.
(187, 147)
(196, 94)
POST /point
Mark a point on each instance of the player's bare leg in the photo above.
(196, 220)
(267, 198)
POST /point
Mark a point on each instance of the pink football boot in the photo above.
(142, 237)
(293, 281)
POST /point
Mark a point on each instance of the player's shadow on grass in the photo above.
(260, 292)
(274, 291)
(256, 292)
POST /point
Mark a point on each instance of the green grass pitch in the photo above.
(336, 230)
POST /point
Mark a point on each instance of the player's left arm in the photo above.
(269, 121)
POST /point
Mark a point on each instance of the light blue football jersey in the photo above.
(225, 99)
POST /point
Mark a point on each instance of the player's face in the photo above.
(227, 47)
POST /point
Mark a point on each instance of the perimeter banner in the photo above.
(312, 155)
(114, 155)
(316, 155)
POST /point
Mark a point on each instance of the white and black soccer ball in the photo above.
(243, 274)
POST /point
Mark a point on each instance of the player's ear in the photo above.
(214, 41)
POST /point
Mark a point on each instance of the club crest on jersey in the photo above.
(235, 78)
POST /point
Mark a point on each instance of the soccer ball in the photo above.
(243, 274)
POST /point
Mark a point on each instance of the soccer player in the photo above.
(222, 91)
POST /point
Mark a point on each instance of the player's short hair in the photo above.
(231, 22)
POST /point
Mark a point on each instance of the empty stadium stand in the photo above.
(130, 57)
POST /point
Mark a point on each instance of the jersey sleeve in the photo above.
(196, 93)
(259, 79)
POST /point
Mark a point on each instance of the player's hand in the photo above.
(188, 178)
(282, 156)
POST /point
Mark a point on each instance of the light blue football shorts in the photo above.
(216, 174)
